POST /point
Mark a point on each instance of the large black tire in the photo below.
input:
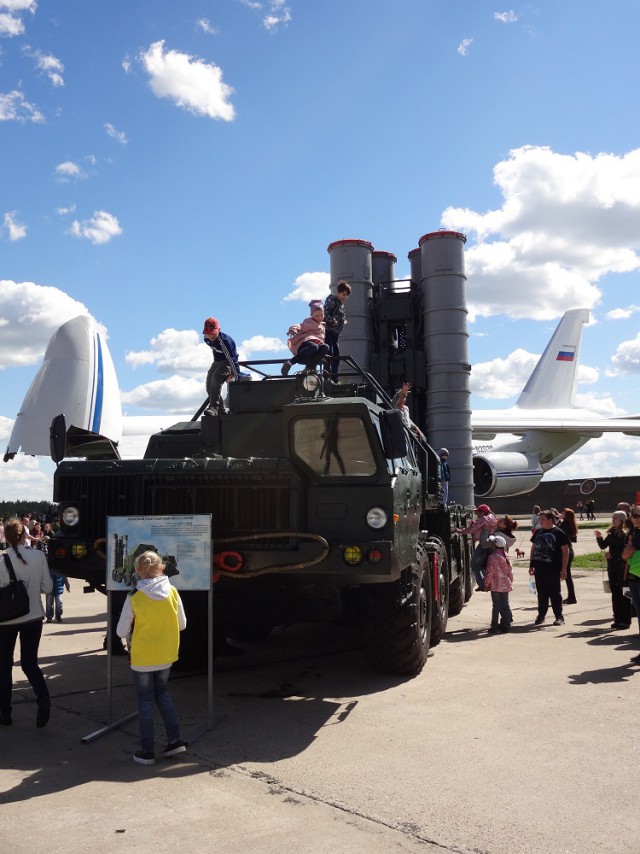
(248, 632)
(439, 567)
(397, 631)
(469, 579)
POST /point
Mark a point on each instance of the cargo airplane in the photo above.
(512, 448)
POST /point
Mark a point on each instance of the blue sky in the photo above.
(161, 162)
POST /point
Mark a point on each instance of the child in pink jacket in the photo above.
(498, 579)
(306, 339)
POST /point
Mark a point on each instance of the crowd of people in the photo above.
(551, 554)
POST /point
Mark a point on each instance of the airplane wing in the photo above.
(486, 426)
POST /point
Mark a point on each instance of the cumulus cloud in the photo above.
(176, 394)
(13, 228)
(463, 47)
(101, 228)
(622, 313)
(15, 108)
(69, 169)
(65, 211)
(627, 356)
(118, 135)
(175, 351)
(309, 286)
(188, 81)
(566, 221)
(29, 315)
(509, 17)
(261, 344)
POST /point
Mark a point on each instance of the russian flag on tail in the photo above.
(567, 354)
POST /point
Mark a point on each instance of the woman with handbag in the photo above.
(29, 567)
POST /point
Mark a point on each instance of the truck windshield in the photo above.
(337, 446)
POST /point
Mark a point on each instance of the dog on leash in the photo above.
(519, 553)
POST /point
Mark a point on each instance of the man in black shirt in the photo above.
(548, 562)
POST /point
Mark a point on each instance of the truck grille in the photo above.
(239, 503)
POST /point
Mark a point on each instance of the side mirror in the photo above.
(394, 438)
(58, 438)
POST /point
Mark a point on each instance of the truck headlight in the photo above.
(377, 518)
(70, 516)
(311, 383)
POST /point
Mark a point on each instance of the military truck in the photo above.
(326, 503)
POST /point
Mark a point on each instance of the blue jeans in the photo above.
(151, 686)
(30, 634)
(500, 602)
(477, 564)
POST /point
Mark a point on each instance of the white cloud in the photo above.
(19, 5)
(10, 25)
(14, 229)
(174, 351)
(176, 394)
(49, 65)
(464, 46)
(622, 313)
(509, 17)
(101, 228)
(69, 169)
(280, 16)
(118, 135)
(566, 221)
(261, 344)
(627, 356)
(190, 82)
(310, 286)
(251, 4)
(14, 107)
(207, 27)
(64, 211)
(502, 378)
(29, 315)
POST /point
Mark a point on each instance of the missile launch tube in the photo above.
(351, 261)
(446, 351)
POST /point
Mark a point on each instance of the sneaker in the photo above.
(505, 627)
(570, 600)
(284, 370)
(210, 411)
(49, 619)
(143, 758)
(58, 619)
(174, 747)
(44, 712)
(538, 620)
(492, 630)
(559, 621)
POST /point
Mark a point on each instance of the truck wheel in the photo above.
(398, 631)
(468, 573)
(248, 632)
(438, 555)
(456, 597)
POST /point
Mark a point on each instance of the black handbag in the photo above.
(14, 598)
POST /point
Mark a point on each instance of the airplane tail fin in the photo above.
(553, 381)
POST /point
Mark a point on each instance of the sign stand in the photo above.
(171, 522)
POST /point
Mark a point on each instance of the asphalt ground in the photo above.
(508, 743)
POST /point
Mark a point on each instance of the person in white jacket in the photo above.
(30, 567)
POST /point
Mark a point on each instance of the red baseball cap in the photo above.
(482, 508)
(211, 324)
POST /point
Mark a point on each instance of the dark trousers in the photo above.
(571, 590)
(620, 604)
(548, 588)
(30, 634)
(333, 343)
(309, 354)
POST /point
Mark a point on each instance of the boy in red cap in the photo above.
(225, 363)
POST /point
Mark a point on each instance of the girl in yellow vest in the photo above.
(152, 619)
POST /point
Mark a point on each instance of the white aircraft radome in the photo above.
(512, 448)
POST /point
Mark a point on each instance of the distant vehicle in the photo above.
(545, 426)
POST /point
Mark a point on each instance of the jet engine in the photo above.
(503, 474)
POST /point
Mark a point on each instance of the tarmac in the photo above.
(514, 743)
